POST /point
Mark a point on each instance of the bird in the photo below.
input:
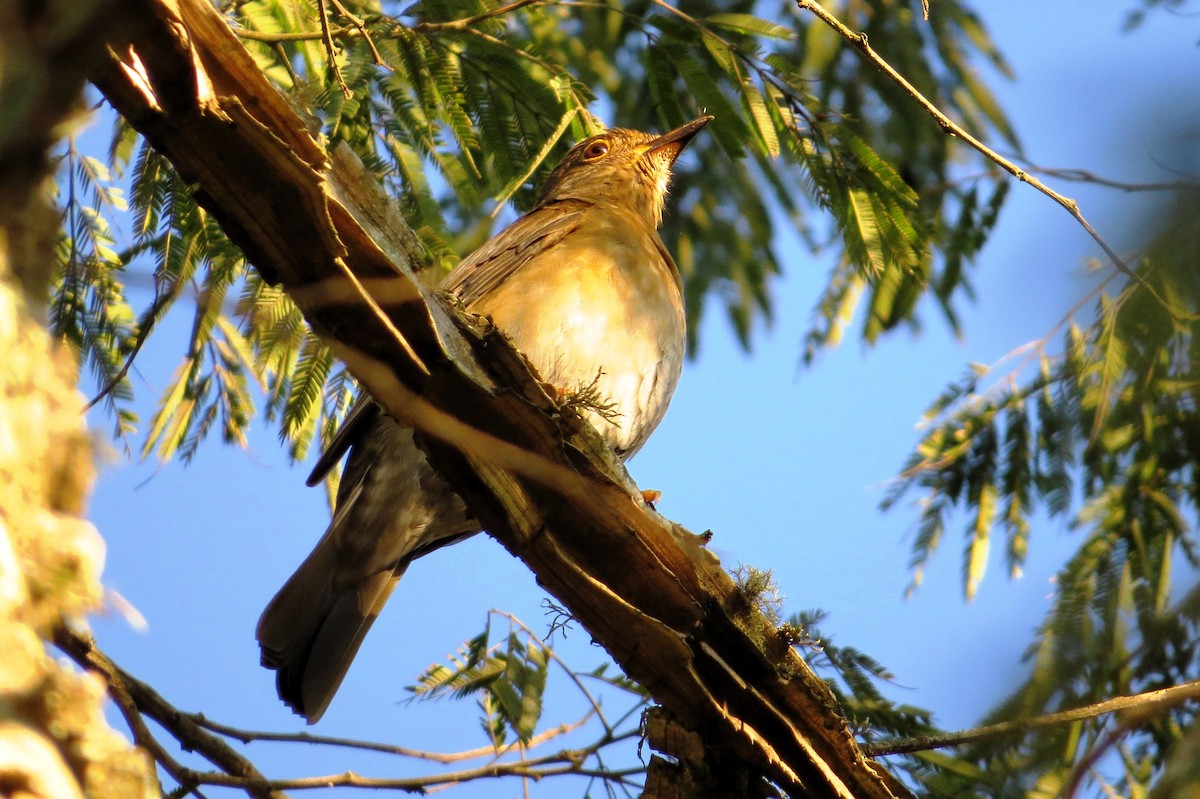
(583, 286)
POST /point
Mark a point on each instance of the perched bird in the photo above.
(584, 287)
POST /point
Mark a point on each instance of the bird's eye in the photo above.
(597, 149)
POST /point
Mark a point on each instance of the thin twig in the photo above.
(358, 27)
(350, 779)
(467, 22)
(361, 26)
(859, 41)
(1092, 756)
(1144, 703)
(249, 736)
(136, 698)
(1086, 176)
(330, 52)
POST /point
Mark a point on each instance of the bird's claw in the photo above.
(651, 496)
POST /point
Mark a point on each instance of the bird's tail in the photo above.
(311, 630)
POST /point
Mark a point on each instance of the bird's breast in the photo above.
(602, 306)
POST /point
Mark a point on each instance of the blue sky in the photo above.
(785, 464)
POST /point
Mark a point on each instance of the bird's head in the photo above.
(621, 166)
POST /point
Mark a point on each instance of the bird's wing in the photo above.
(360, 419)
(494, 262)
(474, 277)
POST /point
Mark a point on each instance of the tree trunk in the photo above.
(54, 742)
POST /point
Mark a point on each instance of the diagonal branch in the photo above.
(135, 698)
(1137, 706)
(533, 471)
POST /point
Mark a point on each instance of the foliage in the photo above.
(458, 103)
(508, 680)
(461, 106)
(1137, 16)
(1107, 432)
(854, 675)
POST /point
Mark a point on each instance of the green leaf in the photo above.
(169, 424)
(727, 126)
(304, 401)
(722, 54)
(764, 124)
(1111, 368)
(747, 23)
(565, 122)
(863, 237)
(977, 553)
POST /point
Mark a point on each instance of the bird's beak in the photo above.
(673, 143)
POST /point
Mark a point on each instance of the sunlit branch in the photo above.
(250, 736)
(467, 22)
(360, 25)
(1143, 705)
(330, 52)
(137, 701)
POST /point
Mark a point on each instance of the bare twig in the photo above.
(360, 25)
(1092, 756)
(349, 779)
(1086, 176)
(249, 736)
(464, 24)
(859, 41)
(136, 698)
(194, 732)
(1143, 704)
(330, 51)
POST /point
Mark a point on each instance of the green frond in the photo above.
(748, 23)
(304, 405)
(509, 681)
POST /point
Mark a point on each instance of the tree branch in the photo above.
(533, 471)
(136, 699)
(249, 736)
(1141, 705)
(331, 51)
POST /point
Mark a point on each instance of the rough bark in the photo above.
(54, 741)
(533, 472)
